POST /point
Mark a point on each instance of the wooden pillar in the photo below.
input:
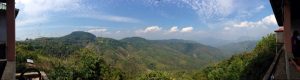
(10, 69)
(287, 35)
(11, 39)
(287, 26)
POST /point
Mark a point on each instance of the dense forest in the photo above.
(81, 55)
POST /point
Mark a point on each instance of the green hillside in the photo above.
(247, 66)
(81, 55)
(130, 57)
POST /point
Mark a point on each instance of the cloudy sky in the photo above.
(151, 19)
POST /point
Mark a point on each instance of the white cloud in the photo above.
(114, 18)
(117, 32)
(152, 29)
(97, 30)
(217, 10)
(266, 21)
(41, 7)
(30, 21)
(227, 28)
(259, 8)
(33, 12)
(269, 20)
(211, 8)
(250, 29)
(173, 29)
(120, 19)
(187, 29)
(244, 24)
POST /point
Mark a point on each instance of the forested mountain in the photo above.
(237, 47)
(133, 55)
(81, 55)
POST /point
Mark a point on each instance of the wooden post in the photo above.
(287, 26)
(287, 35)
(10, 69)
(11, 40)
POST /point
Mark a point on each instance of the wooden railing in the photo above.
(269, 75)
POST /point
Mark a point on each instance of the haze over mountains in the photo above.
(237, 47)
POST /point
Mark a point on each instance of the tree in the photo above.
(249, 65)
(155, 76)
(85, 65)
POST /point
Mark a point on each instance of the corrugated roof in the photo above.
(280, 29)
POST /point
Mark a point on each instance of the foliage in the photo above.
(155, 76)
(85, 65)
(249, 65)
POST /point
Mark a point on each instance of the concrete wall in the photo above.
(279, 37)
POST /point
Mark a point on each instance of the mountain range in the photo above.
(237, 47)
(133, 55)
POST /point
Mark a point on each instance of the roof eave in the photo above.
(278, 11)
(3, 1)
(16, 11)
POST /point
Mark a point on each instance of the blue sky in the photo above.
(151, 19)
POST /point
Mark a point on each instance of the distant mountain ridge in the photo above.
(238, 47)
(80, 35)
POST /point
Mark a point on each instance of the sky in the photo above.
(150, 19)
